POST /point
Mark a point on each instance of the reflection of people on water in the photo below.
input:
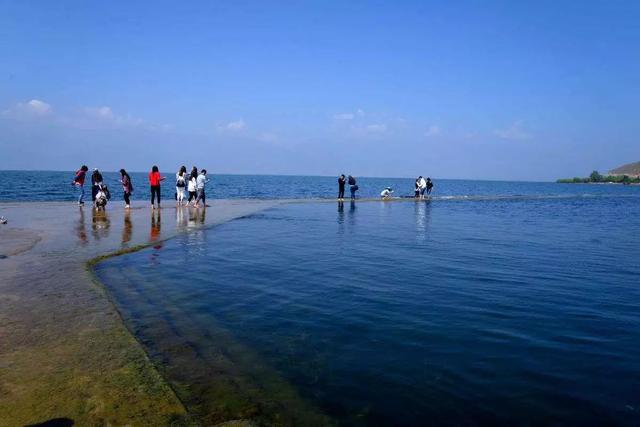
(81, 229)
(155, 225)
(100, 224)
(127, 229)
(181, 219)
(423, 217)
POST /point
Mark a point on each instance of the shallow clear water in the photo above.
(56, 186)
(520, 311)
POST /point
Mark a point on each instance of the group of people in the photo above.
(194, 183)
(342, 182)
(423, 186)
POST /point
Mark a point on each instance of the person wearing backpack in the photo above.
(353, 187)
(181, 184)
(127, 187)
(78, 181)
(96, 182)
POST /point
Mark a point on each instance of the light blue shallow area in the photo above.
(498, 311)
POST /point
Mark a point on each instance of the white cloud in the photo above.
(515, 132)
(349, 115)
(432, 131)
(376, 128)
(102, 113)
(344, 116)
(90, 118)
(235, 126)
(104, 116)
(33, 108)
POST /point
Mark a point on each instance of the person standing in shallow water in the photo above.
(154, 181)
(127, 187)
(341, 183)
(423, 186)
(192, 184)
(181, 184)
(353, 187)
(96, 183)
(78, 181)
(429, 186)
(200, 184)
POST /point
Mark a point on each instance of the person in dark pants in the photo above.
(342, 180)
(192, 185)
(429, 186)
(96, 182)
(201, 181)
(127, 187)
(154, 180)
(353, 187)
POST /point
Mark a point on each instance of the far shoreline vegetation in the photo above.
(596, 178)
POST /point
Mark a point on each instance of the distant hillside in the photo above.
(631, 169)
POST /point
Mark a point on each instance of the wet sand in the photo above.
(64, 351)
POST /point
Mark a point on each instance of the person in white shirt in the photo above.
(181, 184)
(423, 186)
(191, 185)
(386, 193)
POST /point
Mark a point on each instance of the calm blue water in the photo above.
(522, 311)
(56, 186)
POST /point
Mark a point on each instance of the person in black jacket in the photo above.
(353, 187)
(342, 180)
(96, 182)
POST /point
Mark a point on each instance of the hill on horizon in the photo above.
(628, 169)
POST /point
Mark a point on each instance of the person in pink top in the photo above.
(154, 180)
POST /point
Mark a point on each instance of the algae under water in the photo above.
(501, 312)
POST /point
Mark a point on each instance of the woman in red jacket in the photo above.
(154, 181)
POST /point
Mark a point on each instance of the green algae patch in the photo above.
(219, 381)
(106, 379)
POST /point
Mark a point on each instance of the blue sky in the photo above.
(487, 90)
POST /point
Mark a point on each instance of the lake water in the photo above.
(519, 306)
(56, 186)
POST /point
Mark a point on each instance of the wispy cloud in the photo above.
(234, 126)
(515, 132)
(349, 115)
(376, 128)
(29, 109)
(105, 116)
(94, 118)
(432, 131)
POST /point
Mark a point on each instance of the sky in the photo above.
(513, 90)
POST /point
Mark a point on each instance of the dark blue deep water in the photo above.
(499, 311)
(56, 186)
